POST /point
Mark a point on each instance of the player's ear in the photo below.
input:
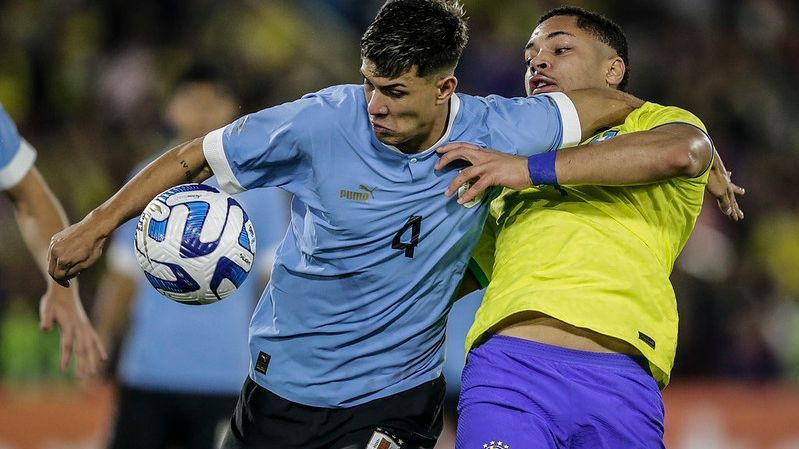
(445, 88)
(615, 73)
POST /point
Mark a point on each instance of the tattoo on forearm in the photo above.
(187, 173)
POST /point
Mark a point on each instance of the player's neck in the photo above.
(428, 139)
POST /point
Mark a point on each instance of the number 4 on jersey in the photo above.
(415, 225)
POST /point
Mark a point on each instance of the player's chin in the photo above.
(388, 138)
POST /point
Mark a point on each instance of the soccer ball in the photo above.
(195, 244)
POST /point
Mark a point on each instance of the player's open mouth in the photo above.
(540, 84)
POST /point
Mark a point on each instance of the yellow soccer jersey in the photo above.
(594, 257)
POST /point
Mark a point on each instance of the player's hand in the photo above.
(73, 250)
(720, 185)
(62, 307)
(488, 168)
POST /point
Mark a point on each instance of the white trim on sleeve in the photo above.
(572, 132)
(20, 165)
(215, 156)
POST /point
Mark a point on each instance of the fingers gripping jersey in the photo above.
(357, 303)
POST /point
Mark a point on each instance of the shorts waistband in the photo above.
(559, 354)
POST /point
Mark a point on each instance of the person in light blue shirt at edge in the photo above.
(40, 215)
(181, 367)
(347, 340)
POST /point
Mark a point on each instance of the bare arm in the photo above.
(637, 158)
(113, 306)
(662, 153)
(80, 245)
(600, 108)
(40, 215)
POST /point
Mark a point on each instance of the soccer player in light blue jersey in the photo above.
(40, 215)
(181, 367)
(347, 340)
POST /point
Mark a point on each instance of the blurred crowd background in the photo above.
(86, 81)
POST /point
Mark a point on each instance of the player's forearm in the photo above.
(39, 215)
(636, 158)
(183, 164)
(600, 108)
(113, 306)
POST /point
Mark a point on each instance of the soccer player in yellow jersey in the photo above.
(577, 331)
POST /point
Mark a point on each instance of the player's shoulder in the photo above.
(336, 98)
(497, 110)
(331, 104)
(311, 111)
(651, 115)
(498, 101)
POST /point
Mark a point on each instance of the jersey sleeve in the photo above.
(16, 155)
(263, 149)
(667, 115)
(482, 263)
(664, 115)
(532, 125)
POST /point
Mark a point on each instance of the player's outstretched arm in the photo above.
(80, 245)
(643, 157)
(601, 107)
(666, 152)
(40, 215)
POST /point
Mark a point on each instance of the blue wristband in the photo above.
(542, 169)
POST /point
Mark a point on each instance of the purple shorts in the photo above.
(519, 394)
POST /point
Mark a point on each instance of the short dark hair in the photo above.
(428, 34)
(604, 29)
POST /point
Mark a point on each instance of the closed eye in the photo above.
(395, 94)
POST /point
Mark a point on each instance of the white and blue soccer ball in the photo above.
(195, 244)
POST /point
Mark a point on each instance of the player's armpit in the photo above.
(468, 285)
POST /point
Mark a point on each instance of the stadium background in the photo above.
(84, 80)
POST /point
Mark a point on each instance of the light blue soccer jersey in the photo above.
(16, 155)
(357, 304)
(180, 348)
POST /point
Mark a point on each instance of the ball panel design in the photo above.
(195, 244)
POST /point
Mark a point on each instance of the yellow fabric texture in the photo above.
(594, 257)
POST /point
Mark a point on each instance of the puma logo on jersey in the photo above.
(362, 196)
(367, 189)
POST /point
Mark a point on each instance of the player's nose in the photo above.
(376, 105)
(538, 65)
